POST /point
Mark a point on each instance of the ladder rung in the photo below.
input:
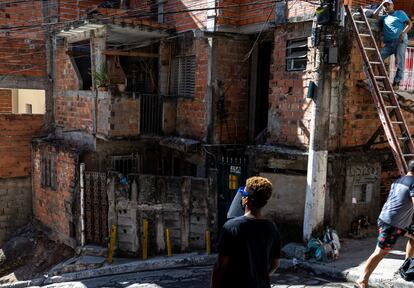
(365, 35)
(375, 63)
(397, 122)
(370, 48)
(408, 155)
(386, 92)
(404, 138)
(359, 21)
(391, 107)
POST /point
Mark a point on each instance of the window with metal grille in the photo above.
(184, 76)
(28, 109)
(126, 164)
(296, 54)
(48, 171)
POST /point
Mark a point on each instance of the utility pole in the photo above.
(318, 152)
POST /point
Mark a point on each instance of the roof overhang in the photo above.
(115, 34)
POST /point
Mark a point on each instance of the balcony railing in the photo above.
(407, 84)
(151, 114)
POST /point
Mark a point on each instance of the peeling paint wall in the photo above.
(181, 204)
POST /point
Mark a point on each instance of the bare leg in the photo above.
(370, 266)
(409, 249)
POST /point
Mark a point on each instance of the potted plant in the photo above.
(101, 78)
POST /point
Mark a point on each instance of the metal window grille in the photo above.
(48, 171)
(184, 76)
(151, 114)
(296, 54)
(28, 108)
(126, 164)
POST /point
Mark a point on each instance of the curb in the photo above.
(157, 263)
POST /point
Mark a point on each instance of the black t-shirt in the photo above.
(251, 245)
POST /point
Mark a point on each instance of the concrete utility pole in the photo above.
(318, 154)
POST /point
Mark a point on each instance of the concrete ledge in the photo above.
(182, 260)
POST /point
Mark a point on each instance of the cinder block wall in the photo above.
(15, 205)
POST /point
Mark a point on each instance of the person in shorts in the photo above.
(395, 217)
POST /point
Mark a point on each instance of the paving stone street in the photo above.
(196, 277)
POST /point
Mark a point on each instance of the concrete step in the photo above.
(92, 250)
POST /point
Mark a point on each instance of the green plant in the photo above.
(101, 77)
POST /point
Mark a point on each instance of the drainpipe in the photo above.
(82, 202)
(209, 98)
(318, 151)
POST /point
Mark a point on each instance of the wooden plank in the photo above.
(130, 54)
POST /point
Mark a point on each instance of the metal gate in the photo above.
(232, 173)
(96, 208)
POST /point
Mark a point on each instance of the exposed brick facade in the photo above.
(232, 103)
(6, 101)
(16, 133)
(74, 112)
(54, 208)
(289, 110)
(191, 112)
(22, 51)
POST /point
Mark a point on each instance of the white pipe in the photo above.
(82, 203)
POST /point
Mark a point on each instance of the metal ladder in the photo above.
(392, 119)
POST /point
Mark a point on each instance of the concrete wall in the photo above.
(185, 205)
(34, 97)
(354, 190)
(15, 205)
(287, 204)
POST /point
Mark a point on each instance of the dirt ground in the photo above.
(30, 254)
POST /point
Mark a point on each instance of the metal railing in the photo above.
(151, 114)
(407, 83)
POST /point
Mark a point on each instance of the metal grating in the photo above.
(126, 164)
(184, 76)
(151, 114)
(96, 208)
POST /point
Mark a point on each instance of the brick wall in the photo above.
(230, 70)
(191, 112)
(72, 10)
(52, 208)
(66, 77)
(257, 13)
(186, 20)
(22, 51)
(16, 133)
(118, 116)
(15, 205)
(289, 110)
(74, 112)
(6, 101)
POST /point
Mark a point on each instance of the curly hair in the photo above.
(259, 189)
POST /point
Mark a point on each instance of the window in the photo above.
(296, 54)
(28, 109)
(48, 171)
(183, 83)
(80, 53)
(127, 164)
